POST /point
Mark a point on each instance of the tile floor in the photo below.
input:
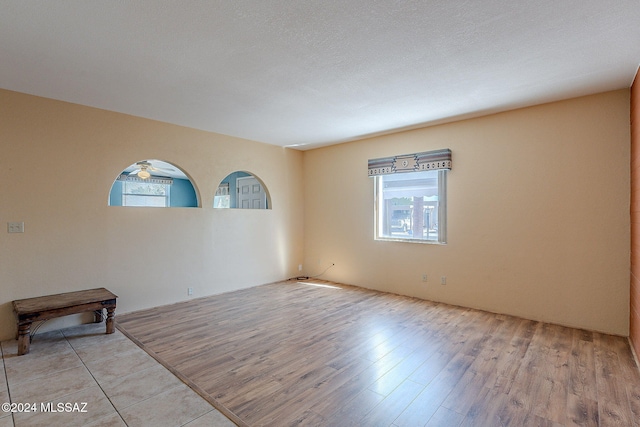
(120, 384)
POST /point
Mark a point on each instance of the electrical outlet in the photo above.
(443, 280)
(424, 277)
(189, 291)
(299, 267)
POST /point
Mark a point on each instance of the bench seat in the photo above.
(48, 307)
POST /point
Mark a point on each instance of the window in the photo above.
(411, 196)
(411, 206)
(139, 193)
(222, 198)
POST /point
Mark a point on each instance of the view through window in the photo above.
(140, 193)
(411, 206)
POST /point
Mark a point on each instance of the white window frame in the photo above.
(380, 214)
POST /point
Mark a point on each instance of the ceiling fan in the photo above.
(144, 168)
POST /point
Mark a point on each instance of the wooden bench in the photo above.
(48, 307)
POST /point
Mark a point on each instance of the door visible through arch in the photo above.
(251, 194)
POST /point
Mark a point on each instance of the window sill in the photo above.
(421, 241)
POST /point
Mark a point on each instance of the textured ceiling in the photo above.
(309, 73)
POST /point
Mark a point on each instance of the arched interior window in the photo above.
(153, 183)
(242, 190)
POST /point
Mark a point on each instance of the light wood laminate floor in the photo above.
(323, 354)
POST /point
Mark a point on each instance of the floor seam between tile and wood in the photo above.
(68, 353)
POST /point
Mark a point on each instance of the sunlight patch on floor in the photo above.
(319, 285)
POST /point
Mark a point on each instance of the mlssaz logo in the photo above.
(63, 407)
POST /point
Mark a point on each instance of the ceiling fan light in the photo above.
(143, 174)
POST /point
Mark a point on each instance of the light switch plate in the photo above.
(15, 227)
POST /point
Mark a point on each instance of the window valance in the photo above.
(425, 161)
(152, 180)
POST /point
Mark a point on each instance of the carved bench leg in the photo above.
(110, 315)
(98, 316)
(24, 338)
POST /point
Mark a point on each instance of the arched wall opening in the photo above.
(242, 190)
(153, 183)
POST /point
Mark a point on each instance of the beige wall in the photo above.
(57, 164)
(538, 214)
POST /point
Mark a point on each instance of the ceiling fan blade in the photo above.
(153, 168)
